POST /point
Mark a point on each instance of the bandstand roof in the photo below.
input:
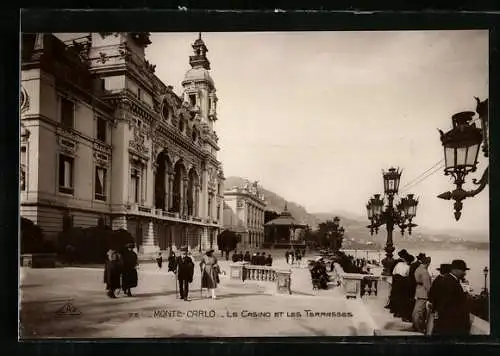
(285, 219)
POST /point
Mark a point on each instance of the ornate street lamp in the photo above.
(461, 148)
(400, 214)
(485, 272)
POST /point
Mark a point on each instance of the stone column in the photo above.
(148, 244)
(204, 200)
(214, 206)
(184, 196)
(167, 185)
(149, 186)
(170, 190)
(205, 242)
(196, 209)
(181, 203)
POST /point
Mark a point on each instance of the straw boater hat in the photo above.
(184, 248)
(210, 250)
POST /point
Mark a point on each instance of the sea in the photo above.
(476, 260)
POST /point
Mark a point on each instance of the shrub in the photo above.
(89, 245)
(32, 239)
(69, 244)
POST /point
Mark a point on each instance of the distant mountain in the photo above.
(357, 234)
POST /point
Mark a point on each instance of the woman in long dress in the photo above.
(112, 272)
(209, 272)
(129, 273)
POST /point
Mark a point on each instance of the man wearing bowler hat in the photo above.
(185, 271)
(435, 291)
(449, 303)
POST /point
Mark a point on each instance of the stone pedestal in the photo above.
(284, 282)
(148, 246)
(352, 285)
(237, 271)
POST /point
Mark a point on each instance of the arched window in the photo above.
(165, 110)
(23, 167)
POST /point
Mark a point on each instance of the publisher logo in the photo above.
(68, 309)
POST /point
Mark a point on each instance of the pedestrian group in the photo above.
(435, 307)
(120, 271)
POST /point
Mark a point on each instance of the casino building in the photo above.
(104, 140)
(244, 208)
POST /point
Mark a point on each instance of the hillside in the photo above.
(358, 234)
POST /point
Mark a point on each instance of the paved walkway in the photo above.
(242, 309)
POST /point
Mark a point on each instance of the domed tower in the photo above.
(199, 89)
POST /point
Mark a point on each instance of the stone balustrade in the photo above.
(259, 273)
(356, 284)
(245, 271)
(171, 216)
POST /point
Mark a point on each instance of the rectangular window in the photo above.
(101, 129)
(100, 183)
(24, 167)
(139, 93)
(192, 99)
(66, 174)
(218, 212)
(67, 113)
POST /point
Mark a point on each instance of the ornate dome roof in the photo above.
(198, 73)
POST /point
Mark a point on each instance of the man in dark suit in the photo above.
(434, 291)
(449, 302)
(185, 271)
(443, 269)
(269, 260)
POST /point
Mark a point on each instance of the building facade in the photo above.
(244, 213)
(103, 139)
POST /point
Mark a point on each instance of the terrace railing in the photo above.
(245, 271)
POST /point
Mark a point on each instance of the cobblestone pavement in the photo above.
(241, 309)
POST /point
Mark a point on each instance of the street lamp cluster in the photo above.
(461, 148)
(400, 214)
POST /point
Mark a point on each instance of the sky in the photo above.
(316, 116)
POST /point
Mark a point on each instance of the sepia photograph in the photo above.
(254, 184)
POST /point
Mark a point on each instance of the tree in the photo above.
(331, 234)
(32, 238)
(270, 215)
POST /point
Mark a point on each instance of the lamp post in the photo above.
(485, 272)
(461, 148)
(399, 214)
